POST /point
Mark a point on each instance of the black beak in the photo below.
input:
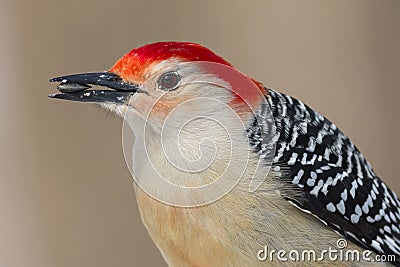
(75, 88)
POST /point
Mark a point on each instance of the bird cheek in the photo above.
(151, 108)
(142, 104)
(160, 111)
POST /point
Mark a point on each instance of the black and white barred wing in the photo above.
(337, 183)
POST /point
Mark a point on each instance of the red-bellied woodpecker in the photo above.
(314, 186)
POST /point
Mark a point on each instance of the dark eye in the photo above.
(169, 81)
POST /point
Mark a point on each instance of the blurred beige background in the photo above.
(66, 196)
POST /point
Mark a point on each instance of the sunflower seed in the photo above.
(72, 87)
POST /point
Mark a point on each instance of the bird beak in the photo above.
(76, 88)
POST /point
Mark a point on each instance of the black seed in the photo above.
(72, 87)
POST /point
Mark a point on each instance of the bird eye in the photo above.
(169, 81)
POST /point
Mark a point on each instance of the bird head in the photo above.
(195, 105)
(156, 78)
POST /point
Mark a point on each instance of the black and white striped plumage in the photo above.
(332, 179)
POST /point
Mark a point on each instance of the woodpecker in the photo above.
(316, 187)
